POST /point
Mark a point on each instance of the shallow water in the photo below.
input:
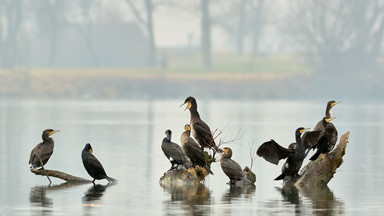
(126, 138)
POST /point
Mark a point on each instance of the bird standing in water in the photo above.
(200, 130)
(273, 153)
(44, 150)
(192, 149)
(93, 166)
(327, 139)
(231, 168)
(173, 152)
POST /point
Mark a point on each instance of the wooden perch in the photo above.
(61, 175)
(319, 172)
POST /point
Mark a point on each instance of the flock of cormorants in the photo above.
(191, 152)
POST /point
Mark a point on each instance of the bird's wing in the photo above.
(231, 168)
(310, 139)
(319, 126)
(202, 130)
(173, 150)
(94, 163)
(194, 148)
(273, 152)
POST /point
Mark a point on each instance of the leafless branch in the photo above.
(252, 153)
(137, 14)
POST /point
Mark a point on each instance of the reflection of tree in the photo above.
(322, 199)
(189, 196)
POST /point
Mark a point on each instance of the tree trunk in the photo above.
(151, 34)
(319, 172)
(206, 34)
(61, 175)
(240, 30)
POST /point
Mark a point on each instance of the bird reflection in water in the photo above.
(95, 192)
(239, 190)
(191, 198)
(321, 200)
(38, 196)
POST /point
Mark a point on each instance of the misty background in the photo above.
(247, 49)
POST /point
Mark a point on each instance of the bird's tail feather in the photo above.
(110, 179)
(245, 180)
(208, 169)
(280, 177)
(315, 156)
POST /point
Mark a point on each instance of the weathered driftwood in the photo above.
(319, 172)
(61, 175)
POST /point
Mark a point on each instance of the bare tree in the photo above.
(148, 24)
(339, 36)
(11, 20)
(206, 33)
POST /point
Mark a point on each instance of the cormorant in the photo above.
(192, 149)
(200, 130)
(231, 168)
(93, 166)
(273, 153)
(310, 138)
(327, 139)
(43, 149)
(330, 104)
(173, 152)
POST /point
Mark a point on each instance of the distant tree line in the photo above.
(331, 35)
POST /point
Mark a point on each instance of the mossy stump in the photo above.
(191, 176)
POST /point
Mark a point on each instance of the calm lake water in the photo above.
(126, 138)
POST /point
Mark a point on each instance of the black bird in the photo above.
(93, 166)
(200, 130)
(192, 149)
(310, 138)
(43, 149)
(231, 168)
(327, 139)
(173, 152)
(273, 153)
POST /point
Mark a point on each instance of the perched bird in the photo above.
(200, 130)
(43, 149)
(173, 152)
(330, 104)
(327, 139)
(93, 166)
(310, 138)
(273, 153)
(192, 149)
(231, 168)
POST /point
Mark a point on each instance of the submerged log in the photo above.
(61, 175)
(319, 172)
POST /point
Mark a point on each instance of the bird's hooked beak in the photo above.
(337, 102)
(90, 151)
(54, 131)
(188, 106)
(330, 119)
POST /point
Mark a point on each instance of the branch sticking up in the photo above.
(252, 153)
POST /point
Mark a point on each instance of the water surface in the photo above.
(126, 137)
